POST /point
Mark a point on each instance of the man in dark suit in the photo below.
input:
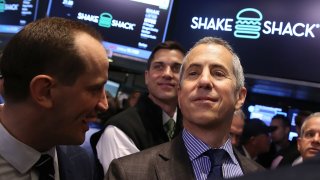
(145, 125)
(211, 88)
(53, 74)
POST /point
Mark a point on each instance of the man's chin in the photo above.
(168, 96)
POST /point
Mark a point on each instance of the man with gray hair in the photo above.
(309, 141)
(309, 147)
(211, 88)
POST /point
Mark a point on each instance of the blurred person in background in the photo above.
(280, 136)
(255, 139)
(279, 139)
(309, 141)
(309, 147)
(132, 99)
(290, 154)
(237, 127)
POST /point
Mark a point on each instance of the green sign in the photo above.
(2, 5)
(105, 20)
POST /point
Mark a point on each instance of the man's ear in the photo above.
(252, 139)
(241, 97)
(41, 90)
(146, 77)
(298, 143)
(287, 130)
(178, 92)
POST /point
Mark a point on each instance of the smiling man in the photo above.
(146, 125)
(211, 88)
(53, 73)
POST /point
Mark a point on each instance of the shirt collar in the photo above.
(196, 147)
(166, 117)
(19, 155)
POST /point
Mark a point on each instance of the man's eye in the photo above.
(158, 67)
(219, 73)
(192, 73)
(97, 89)
(176, 68)
(309, 134)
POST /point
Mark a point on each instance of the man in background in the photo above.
(255, 139)
(211, 88)
(281, 134)
(53, 74)
(279, 138)
(291, 154)
(309, 146)
(237, 127)
(309, 141)
(155, 119)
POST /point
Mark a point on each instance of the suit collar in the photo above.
(173, 161)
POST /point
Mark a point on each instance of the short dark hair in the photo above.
(301, 116)
(171, 45)
(45, 46)
(284, 120)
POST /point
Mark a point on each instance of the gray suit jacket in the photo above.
(164, 162)
(75, 163)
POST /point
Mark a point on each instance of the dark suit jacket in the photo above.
(75, 163)
(143, 123)
(164, 162)
(308, 170)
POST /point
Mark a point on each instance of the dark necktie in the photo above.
(169, 128)
(45, 167)
(217, 157)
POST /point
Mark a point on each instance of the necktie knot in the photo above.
(45, 167)
(217, 157)
(169, 128)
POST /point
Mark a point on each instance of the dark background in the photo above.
(281, 71)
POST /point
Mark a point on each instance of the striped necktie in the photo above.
(45, 167)
(169, 128)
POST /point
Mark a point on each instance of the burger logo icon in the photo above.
(248, 24)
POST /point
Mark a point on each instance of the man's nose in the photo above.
(103, 102)
(205, 80)
(316, 138)
(167, 71)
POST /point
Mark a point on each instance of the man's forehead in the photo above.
(166, 61)
(313, 122)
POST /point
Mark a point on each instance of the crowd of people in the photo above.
(189, 124)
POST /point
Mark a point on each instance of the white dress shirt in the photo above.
(297, 161)
(114, 143)
(17, 158)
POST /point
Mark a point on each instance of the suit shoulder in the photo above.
(126, 115)
(247, 165)
(144, 157)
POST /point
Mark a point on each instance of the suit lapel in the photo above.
(65, 165)
(246, 164)
(173, 161)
